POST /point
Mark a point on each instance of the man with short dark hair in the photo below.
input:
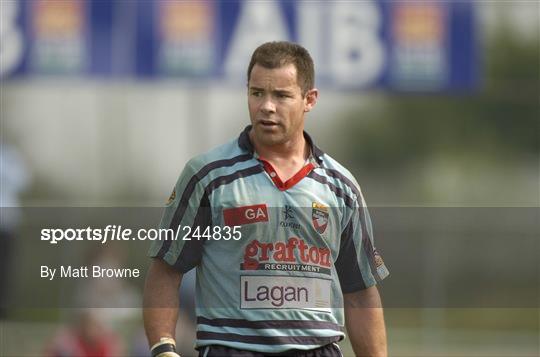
(278, 231)
(278, 54)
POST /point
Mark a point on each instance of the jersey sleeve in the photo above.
(187, 210)
(359, 265)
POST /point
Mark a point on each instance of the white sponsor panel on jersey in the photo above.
(284, 292)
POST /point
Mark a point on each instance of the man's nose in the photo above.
(268, 105)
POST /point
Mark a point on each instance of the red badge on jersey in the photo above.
(245, 215)
(319, 217)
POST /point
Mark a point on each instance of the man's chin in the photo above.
(268, 139)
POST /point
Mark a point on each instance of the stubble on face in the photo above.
(276, 106)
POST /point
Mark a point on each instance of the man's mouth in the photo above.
(268, 123)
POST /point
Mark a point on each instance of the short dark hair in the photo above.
(280, 53)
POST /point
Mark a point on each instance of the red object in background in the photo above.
(71, 344)
(86, 337)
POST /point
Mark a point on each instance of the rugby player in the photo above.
(278, 231)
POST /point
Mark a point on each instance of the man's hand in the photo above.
(166, 347)
(365, 322)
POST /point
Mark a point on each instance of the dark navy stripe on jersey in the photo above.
(191, 253)
(190, 187)
(367, 244)
(223, 180)
(349, 273)
(268, 340)
(270, 324)
(338, 175)
(366, 239)
(370, 252)
(337, 190)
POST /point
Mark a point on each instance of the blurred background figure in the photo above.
(113, 301)
(14, 178)
(85, 336)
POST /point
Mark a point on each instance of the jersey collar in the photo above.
(245, 144)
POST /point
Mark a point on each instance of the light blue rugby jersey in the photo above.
(302, 245)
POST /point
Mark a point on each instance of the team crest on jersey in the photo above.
(319, 217)
(172, 196)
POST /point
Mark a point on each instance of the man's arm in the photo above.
(160, 306)
(365, 322)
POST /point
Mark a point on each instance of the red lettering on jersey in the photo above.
(258, 252)
(245, 215)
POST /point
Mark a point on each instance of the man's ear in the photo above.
(311, 99)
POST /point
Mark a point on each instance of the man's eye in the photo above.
(256, 94)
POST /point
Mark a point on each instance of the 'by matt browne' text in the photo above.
(94, 271)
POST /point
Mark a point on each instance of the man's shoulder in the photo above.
(339, 174)
(331, 165)
(225, 154)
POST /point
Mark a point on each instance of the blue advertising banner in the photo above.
(396, 45)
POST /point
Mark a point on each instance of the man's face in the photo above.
(276, 105)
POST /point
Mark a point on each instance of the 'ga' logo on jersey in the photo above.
(319, 217)
(245, 215)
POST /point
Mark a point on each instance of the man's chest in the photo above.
(308, 212)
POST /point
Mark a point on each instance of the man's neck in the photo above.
(286, 159)
(294, 150)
